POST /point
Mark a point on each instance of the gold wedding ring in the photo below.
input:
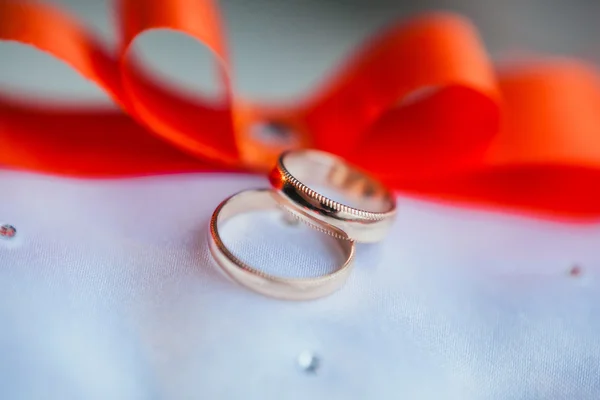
(302, 181)
(269, 285)
(299, 173)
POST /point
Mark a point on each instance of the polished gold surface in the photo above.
(298, 173)
(270, 285)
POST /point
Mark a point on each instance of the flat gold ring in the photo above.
(298, 172)
(258, 281)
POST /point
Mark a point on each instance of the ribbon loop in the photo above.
(202, 129)
(434, 52)
(420, 106)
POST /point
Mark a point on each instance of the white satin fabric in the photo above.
(108, 292)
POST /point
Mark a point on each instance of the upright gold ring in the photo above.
(269, 285)
(300, 174)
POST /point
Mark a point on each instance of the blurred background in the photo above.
(282, 49)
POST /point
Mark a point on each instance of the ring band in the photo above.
(298, 172)
(269, 285)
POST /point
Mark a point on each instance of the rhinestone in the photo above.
(273, 133)
(309, 362)
(7, 231)
(289, 219)
(575, 271)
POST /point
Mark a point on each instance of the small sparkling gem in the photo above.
(273, 133)
(289, 219)
(7, 231)
(309, 362)
(575, 271)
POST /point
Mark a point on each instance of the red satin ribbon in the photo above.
(420, 106)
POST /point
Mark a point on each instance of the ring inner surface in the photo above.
(247, 202)
(257, 200)
(332, 177)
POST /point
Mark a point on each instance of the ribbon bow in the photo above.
(420, 106)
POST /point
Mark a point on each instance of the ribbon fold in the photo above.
(420, 106)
